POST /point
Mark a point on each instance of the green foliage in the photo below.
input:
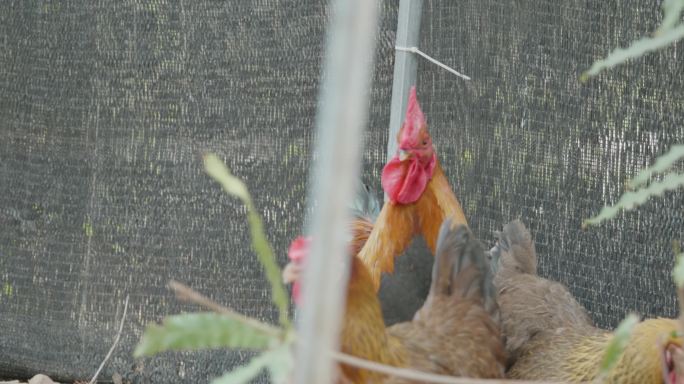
(678, 272)
(632, 199)
(218, 171)
(670, 31)
(617, 345)
(672, 10)
(282, 361)
(245, 373)
(278, 361)
(232, 330)
(231, 184)
(662, 164)
(193, 331)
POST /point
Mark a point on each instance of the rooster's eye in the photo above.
(425, 142)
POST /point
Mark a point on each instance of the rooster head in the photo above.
(406, 175)
(413, 137)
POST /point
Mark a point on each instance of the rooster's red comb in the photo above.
(299, 249)
(414, 120)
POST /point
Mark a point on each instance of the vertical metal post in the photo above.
(405, 66)
(342, 114)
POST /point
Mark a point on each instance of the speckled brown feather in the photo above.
(397, 224)
(528, 303)
(550, 336)
(455, 333)
(575, 355)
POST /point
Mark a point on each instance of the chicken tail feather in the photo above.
(366, 203)
(365, 209)
(461, 268)
(514, 250)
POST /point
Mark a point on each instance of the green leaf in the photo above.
(193, 331)
(617, 345)
(662, 164)
(632, 199)
(282, 363)
(245, 373)
(273, 274)
(279, 362)
(638, 48)
(216, 169)
(678, 272)
(672, 10)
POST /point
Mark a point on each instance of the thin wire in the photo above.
(423, 377)
(434, 61)
(116, 341)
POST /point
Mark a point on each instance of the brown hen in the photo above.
(456, 332)
(549, 335)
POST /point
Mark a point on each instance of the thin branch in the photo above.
(116, 341)
(187, 294)
(411, 374)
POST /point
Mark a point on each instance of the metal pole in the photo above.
(343, 111)
(405, 66)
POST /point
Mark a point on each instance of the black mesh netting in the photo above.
(105, 108)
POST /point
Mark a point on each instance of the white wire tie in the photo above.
(430, 59)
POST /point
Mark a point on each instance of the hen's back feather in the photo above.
(549, 334)
(456, 332)
(575, 355)
(529, 304)
(461, 269)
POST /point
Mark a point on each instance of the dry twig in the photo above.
(187, 294)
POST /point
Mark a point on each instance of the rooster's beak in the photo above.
(403, 155)
(291, 273)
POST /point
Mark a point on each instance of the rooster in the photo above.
(419, 197)
(550, 336)
(456, 332)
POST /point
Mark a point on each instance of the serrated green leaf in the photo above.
(638, 48)
(678, 271)
(217, 170)
(632, 199)
(618, 343)
(662, 164)
(273, 274)
(193, 331)
(279, 362)
(281, 365)
(672, 11)
(245, 373)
